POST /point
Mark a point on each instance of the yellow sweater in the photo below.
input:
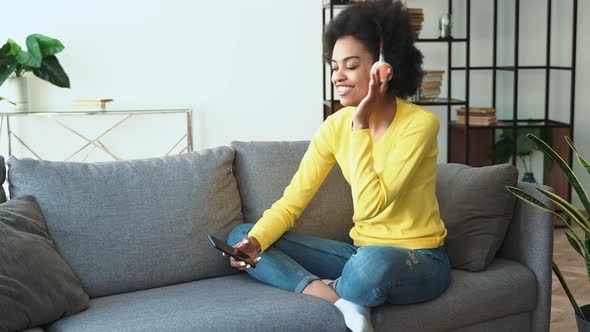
(393, 181)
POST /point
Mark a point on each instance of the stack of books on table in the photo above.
(91, 104)
(416, 20)
(478, 116)
(430, 86)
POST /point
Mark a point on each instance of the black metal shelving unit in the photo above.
(558, 128)
(330, 103)
(461, 137)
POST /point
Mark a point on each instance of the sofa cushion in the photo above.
(36, 285)
(229, 303)
(504, 288)
(477, 209)
(263, 171)
(129, 225)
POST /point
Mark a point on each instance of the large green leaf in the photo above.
(7, 66)
(52, 71)
(502, 152)
(10, 48)
(568, 208)
(524, 146)
(569, 294)
(48, 46)
(32, 57)
(573, 180)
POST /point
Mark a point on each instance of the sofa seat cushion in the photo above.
(229, 303)
(504, 288)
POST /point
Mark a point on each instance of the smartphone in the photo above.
(226, 248)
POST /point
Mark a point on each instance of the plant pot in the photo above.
(528, 177)
(584, 325)
(20, 93)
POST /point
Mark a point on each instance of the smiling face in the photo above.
(351, 65)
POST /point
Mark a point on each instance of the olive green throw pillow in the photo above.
(36, 284)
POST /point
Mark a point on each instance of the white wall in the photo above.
(251, 70)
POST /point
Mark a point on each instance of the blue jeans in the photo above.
(368, 275)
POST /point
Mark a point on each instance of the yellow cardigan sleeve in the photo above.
(373, 192)
(313, 169)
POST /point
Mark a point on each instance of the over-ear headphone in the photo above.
(382, 66)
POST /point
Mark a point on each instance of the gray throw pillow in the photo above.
(36, 284)
(477, 209)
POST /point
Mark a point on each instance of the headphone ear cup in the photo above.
(385, 71)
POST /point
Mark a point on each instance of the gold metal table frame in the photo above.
(95, 142)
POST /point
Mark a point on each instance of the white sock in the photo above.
(356, 317)
(327, 281)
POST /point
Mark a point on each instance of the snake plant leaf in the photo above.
(13, 103)
(571, 176)
(581, 159)
(48, 46)
(523, 195)
(566, 206)
(563, 283)
(577, 246)
(52, 71)
(7, 66)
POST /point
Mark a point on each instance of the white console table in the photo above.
(85, 144)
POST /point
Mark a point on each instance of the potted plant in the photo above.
(39, 58)
(579, 242)
(502, 150)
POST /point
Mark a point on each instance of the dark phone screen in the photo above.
(221, 245)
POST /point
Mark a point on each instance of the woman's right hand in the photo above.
(251, 247)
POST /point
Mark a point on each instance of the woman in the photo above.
(387, 149)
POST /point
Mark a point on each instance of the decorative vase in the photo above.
(20, 93)
(583, 325)
(528, 177)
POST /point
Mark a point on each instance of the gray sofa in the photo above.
(134, 232)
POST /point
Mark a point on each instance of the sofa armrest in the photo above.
(530, 241)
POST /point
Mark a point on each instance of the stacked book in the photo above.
(416, 20)
(478, 116)
(91, 104)
(430, 86)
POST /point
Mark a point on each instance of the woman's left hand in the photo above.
(375, 100)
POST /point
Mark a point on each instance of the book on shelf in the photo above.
(477, 120)
(94, 104)
(477, 111)
(431, 93)
(433, 72)
(426, 99)
(416, 16)
(431, 84)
